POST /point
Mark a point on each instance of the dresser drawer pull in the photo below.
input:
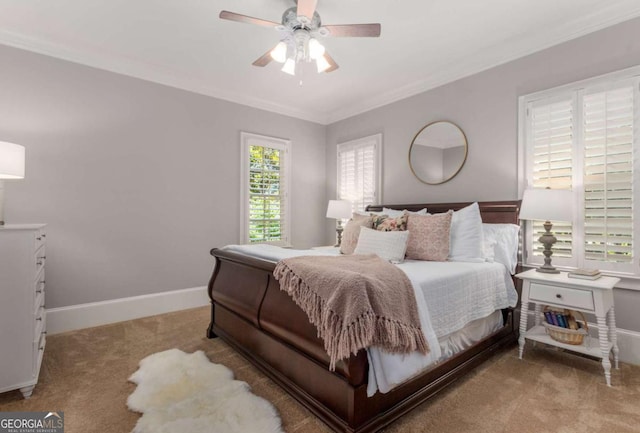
(39, 318)
(43, 257)
(38, 263)
(558, 295)
(39, 238)
(44, 235)
(39, 291)
(41, 348)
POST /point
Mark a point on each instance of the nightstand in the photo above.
(558, 290)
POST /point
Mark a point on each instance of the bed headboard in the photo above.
(492, 211)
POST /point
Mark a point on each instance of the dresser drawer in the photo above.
(576, 298)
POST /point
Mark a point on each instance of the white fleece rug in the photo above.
(180, 392)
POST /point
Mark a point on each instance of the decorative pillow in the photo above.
(505, 239)
(429, 236)
(390, 246)
(352, 231)
(466, 235)
(384, 223)
(393, 213)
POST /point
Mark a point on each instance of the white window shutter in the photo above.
(358, 172)
(551, 140)
(265, 181)
(608, 175)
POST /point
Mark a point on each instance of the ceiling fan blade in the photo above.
(306, 8)
(264, 60)
(232, 16)
(332, 62)
(354, 30)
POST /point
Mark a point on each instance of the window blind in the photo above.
(358, 173)
(608, 121)
(551, 142)
(583, 136)
(265, 197)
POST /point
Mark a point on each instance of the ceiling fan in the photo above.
(300, 29)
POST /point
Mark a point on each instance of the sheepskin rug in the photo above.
(181, 392)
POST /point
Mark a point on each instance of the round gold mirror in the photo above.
(438, 152)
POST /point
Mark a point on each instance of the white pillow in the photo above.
(393, 213)
(466, 235)
(505, 239)
(390, 246)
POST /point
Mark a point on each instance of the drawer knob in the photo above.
(558, 295)
(38, 263)
(39, 318)
(38, 291)
(39, 238)
(44, 235)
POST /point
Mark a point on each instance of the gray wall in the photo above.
(485, 106)
(136, 180)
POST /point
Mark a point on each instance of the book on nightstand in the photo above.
(585, 274)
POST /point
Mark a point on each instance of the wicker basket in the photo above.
(564, 335)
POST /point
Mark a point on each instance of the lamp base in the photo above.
(548, 270)
(339, 230)
(547, 239)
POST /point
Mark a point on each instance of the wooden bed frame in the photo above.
(252, 314)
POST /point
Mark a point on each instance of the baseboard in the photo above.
(80, 316)
(628, 341)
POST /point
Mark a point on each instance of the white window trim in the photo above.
(352, 144)
(631, 282)
(276, 143)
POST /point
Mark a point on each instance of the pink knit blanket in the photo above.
(355, 301)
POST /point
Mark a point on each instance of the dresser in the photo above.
(23, 320)
(561, 291)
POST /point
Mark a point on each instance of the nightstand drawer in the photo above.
(581, 299)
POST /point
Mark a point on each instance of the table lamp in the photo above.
(11, 167)
(339, 209)
(547, 205)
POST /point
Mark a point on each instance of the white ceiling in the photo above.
(183, 43)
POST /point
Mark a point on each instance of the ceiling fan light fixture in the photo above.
(279, 53)
(322, 64)
(316, 49)
(289, 67)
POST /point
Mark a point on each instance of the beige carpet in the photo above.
(85, 375)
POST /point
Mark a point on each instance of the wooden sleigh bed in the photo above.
(252, 314)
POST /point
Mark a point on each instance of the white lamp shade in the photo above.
(316, 49)
(289, 67)
(279, 53)
(339, 209)
(547, 205)
(322, 64)
(11, 161)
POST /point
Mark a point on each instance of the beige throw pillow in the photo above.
(352, 232)
(429, 236)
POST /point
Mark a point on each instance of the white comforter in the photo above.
(449, 295)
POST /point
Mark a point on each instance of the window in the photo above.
(265, 191)
(582, 137)
(359, 171)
